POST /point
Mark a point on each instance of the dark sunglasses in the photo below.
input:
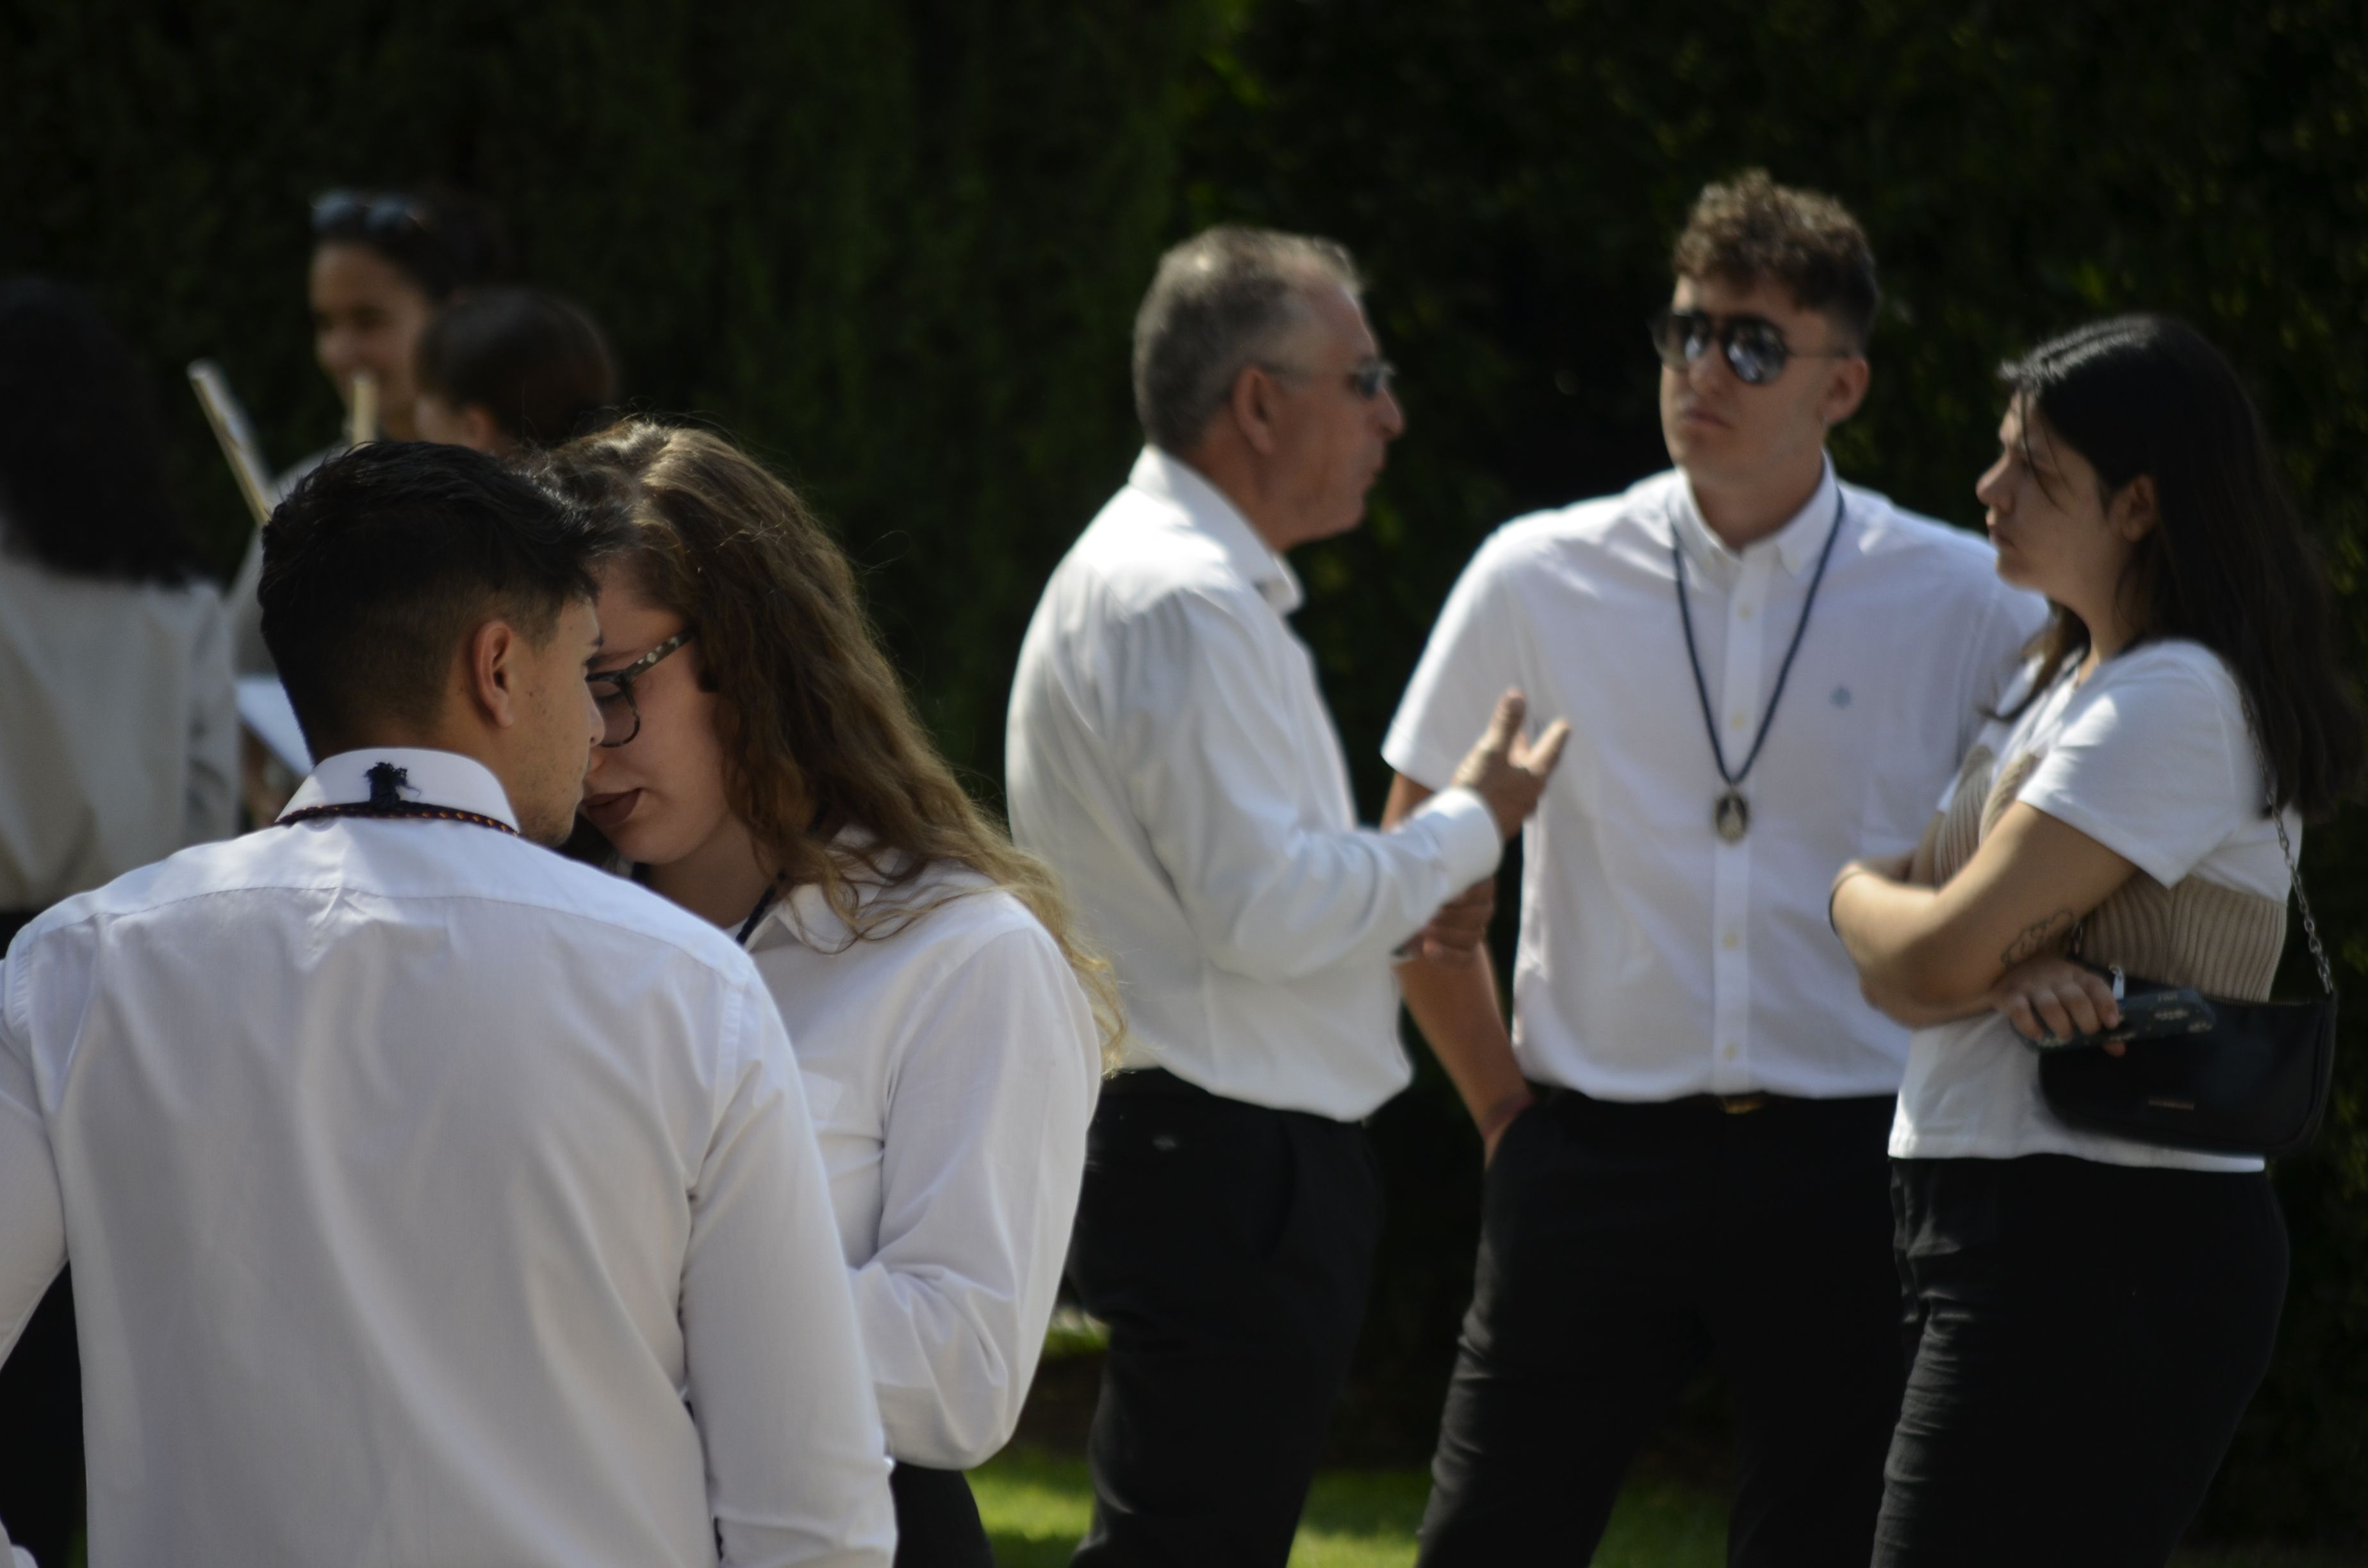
(613, 692)
(1754, 346)
(382, 215)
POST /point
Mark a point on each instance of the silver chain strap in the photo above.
(2301, 901)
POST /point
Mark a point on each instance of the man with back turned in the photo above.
(1172, 758)
(430, 1198)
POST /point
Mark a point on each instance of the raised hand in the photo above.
(1506, 769)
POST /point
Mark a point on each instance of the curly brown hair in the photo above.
(818, 733)
(1751, 228)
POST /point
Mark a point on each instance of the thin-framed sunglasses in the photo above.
(382, 215)
(1754, 346)
(1374, 378)
(613, 692)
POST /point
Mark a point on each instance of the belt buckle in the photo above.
(1740, 1105)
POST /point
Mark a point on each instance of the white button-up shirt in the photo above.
(1171, 756)
(119, 728)
(1656, 960)
(430, 1199)
(951, 1067)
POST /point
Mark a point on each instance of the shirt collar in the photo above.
(802, 914)
(1797, 544)
(431, 778)
(1209, 511)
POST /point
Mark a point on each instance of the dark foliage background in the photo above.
(897, 244)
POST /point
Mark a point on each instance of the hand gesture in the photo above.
(1506, 770)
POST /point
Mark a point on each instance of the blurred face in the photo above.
(1734, 435)
(556, 726)
(2056, 531)
(1329, 438)
(660, 797)
(367, 315)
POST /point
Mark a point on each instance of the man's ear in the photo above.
(1845, 389)
(491, 672)
(485, 433)
(2135, 512)
(1254, 406)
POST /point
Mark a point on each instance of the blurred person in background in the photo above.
(119, 721)
(1172, 758)
(383, 263)
(507, 370)
(2089, 1314)
(763, 768)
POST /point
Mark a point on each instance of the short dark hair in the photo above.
(1219, 301)
(535, 362)
(1751, 228)
(2226, 564)
(385, 557)
(82, 456)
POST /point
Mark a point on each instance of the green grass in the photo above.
(1036, 1505)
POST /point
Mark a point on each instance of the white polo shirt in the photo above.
(1171, 756)
(1656, 960)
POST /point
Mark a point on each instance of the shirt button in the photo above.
(1735, 721)
(1733, 1051)
(1742, 612)
(1731, 941)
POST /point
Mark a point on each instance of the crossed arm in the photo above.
(1990, 937)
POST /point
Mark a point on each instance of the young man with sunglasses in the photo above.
(1768, 673)
(1172, 759)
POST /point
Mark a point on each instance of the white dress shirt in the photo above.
(951, 1067)
(1656, 960)
(1171, 756)
(119, 728)
(430, 1199)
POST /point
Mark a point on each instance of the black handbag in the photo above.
(2255, 1083)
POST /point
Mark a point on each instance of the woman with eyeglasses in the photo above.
(2092, 1313)
(764, 769)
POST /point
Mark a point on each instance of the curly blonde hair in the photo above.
(818, 733)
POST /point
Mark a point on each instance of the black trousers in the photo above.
(1621, 1248)
(1229, 1247)
(2084, 1338)
(40, 1431)
(937, 1521)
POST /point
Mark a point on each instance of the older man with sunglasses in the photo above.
(1172, 758)
(1766, 671)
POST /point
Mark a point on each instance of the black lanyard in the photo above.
(1732, 815)
(764, 902)
(385, 779)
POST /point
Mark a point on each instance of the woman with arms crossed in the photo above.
(764, 769)
(2091, 1315)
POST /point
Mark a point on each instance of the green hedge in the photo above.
(1512, 180)
(898, 244)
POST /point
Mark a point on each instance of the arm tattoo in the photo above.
(2037, 938)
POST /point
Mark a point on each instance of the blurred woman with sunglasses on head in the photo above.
(383, 263)
(764, 769)
(2092, 1313)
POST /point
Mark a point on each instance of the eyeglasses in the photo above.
(1754, 346)
(613, 692)
(381, 214)
(1374, 378)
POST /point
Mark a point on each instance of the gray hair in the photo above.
(1219, 302)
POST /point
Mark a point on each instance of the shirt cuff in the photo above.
(1467, 830)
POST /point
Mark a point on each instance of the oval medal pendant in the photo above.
(1733, 817)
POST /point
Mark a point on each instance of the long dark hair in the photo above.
(2226, 564)
(82, 455)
